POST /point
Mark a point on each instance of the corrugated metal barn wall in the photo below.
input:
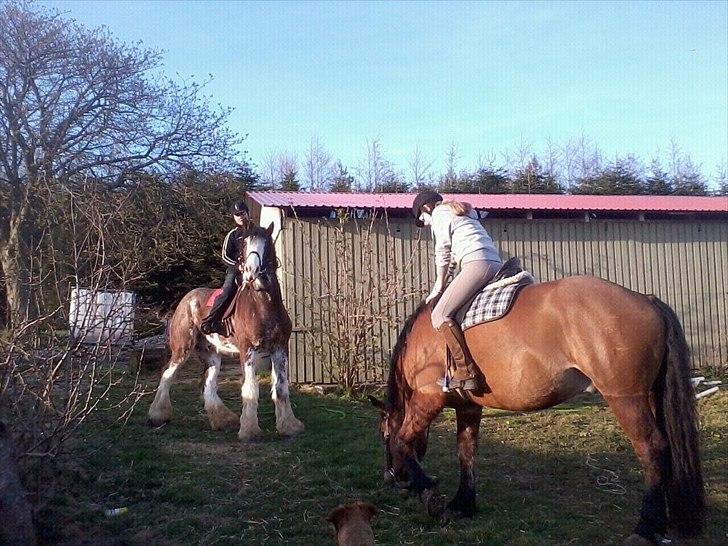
(368, 277)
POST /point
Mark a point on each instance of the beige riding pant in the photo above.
(473, 276)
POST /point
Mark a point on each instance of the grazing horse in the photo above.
(261, 327)
(559, 338)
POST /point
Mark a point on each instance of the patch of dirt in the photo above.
(148, 536)
(205, 451)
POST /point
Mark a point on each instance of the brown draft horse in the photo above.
(559, 338)
(262, 328)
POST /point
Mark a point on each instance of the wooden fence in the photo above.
(371, 275)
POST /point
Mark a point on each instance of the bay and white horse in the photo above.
(261, 327)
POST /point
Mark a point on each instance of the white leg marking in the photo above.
(250, 393)
(286, 422)
(161, 409)
(221, 418)
(213, 371)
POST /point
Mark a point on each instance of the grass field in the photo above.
(564, 476)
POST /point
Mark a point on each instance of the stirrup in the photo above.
(447, 383)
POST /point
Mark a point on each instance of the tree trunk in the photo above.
(17, 276)
(16, 520)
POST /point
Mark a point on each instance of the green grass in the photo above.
(565, 476)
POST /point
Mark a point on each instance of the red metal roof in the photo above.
(616, 203)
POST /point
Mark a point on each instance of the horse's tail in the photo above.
(167, 327)
(677, 419)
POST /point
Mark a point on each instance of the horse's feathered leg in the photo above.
(160, 411)
(286, 422)
(635, 416)
(250, 392)
(468, 424)
(183, 335)
(221, 418)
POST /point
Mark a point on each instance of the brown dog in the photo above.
(351, 524)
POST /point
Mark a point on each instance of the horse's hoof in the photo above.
(455, 511)
(231, 424)
(637, 540)
(249, 434)
(159, 414)
(155, 422)
(228, 421)
(290, 427)
(433, 501)
(450, 515)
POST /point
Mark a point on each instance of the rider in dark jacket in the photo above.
(231, 249)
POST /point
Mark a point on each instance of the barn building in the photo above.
(354, 266)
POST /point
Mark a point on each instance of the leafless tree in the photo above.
(420, 170)
(721, 179)
(375, 170)
(51, 382)
(449, 181)
(552, 160)
(353, 301)
(582, 160)
(487, 161)
(75, 103)
(676, 160)
(318, 166)
(270, 169)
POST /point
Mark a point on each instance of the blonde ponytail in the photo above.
(459, 208)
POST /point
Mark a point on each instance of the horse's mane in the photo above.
(394, 391)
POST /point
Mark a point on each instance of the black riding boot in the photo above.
(212, 324)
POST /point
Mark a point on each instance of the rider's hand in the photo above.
(435, 293)
(440, 283)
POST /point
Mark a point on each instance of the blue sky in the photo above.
(486, 77)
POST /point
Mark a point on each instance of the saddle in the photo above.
(511, 267)
(226, 320)
(495, 299)
(211, 300)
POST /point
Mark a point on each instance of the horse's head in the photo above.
(258, 257)
(390, 421)
(392, 412)
(389, 424)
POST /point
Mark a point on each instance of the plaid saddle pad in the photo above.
(494, 301)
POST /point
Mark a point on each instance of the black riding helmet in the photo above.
(424, 198)
(239, 207)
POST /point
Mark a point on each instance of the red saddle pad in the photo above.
(213, 296)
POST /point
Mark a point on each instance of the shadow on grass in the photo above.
(545, 478)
